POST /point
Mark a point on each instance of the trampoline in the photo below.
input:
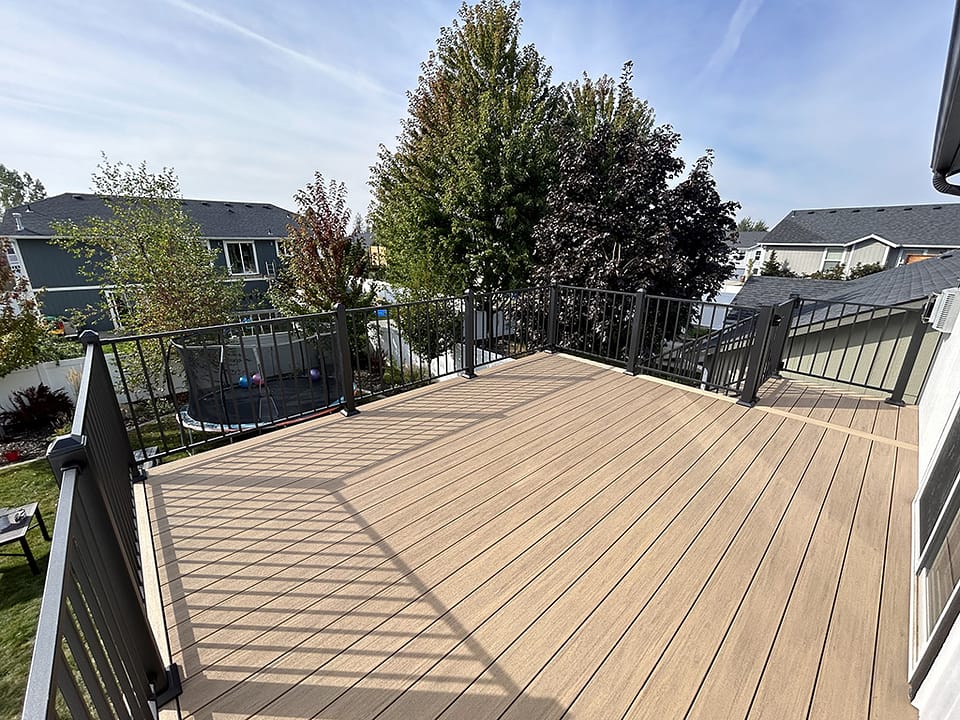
(255, 380)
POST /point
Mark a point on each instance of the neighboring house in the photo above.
(249, 237)
(747, 250)
(810, 241)
(844, 307)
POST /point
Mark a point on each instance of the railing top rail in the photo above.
(41, 682)
(90, 340)
(597, 290)
(408, 303)
(868, 306)
(330, 315)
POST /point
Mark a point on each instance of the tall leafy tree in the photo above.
(748, 224)
(17, 188)
(457, 200)
(621, 216)
(328, 261)
(150, 252)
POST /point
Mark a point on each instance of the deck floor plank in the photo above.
(552, 539)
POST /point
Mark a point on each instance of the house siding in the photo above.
(867, 253)
(802, 261)
(886, 341)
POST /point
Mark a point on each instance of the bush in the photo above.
(36, 408)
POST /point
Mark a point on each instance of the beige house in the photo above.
(810, 241)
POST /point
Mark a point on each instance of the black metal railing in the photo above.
(701, 343)
(187, 389)
(593, 323)
(95, 654)
(866, 346)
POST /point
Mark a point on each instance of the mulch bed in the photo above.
(29, 447)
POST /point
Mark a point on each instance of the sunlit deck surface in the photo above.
(551, 539)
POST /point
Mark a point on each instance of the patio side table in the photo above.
(17, 532)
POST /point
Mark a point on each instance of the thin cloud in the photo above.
(348, 78)
(731, 40)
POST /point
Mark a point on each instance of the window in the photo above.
(832, 258)
(283, 248)
(757, 254)
(119, 307)
(241, 257)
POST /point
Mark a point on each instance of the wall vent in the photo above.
(946, 307)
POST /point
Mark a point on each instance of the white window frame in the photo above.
(226, 257)
(823, 259)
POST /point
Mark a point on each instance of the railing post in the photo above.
(552, 318)
(757, 359)
(633, 346)
(783, 316)
(909, 361)
(469, 335)
(343, 360)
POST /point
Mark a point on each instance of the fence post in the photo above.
(552, 318)
(343, 360)
(909, 361)
(469, 335)
(757, 359)
(633, 346)
(783, 316)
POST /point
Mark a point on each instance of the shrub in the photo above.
(36, 408)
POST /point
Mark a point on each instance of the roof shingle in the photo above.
(216, 218)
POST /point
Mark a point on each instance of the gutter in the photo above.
(946, 144)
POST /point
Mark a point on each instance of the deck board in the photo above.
(552, 539)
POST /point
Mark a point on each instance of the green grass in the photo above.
(20, 590)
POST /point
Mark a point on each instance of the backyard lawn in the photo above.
(20, 590)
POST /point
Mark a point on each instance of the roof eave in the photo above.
(946, 144)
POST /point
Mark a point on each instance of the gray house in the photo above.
(247, 235)
(816, 240)
(836, 314)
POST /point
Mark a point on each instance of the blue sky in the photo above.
(806, 103)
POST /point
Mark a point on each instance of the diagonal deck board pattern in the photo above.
(551, 539)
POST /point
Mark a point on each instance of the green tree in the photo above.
(150, 252)
(748, 224)
(774, 268)
(837, 272)
(456, 202)
(863, 269)
(24, 336)
(617, 217)
(327, 263)
(17, 188)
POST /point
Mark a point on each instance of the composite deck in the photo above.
(551, 539)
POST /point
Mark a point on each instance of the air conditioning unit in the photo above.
(945, 310)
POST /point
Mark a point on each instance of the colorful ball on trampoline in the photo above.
(314, 374)
(256, 380)
(243, 382)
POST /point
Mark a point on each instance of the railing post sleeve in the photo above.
(758, 356)
(909, 361)
(633, 346)
(469, 335)
(552, 318)
(783, 318)
(343, 361)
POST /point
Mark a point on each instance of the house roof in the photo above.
(216, 218)
(749, 239)
(897, 286)
(931, 225)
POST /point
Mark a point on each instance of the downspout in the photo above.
(941, 184)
